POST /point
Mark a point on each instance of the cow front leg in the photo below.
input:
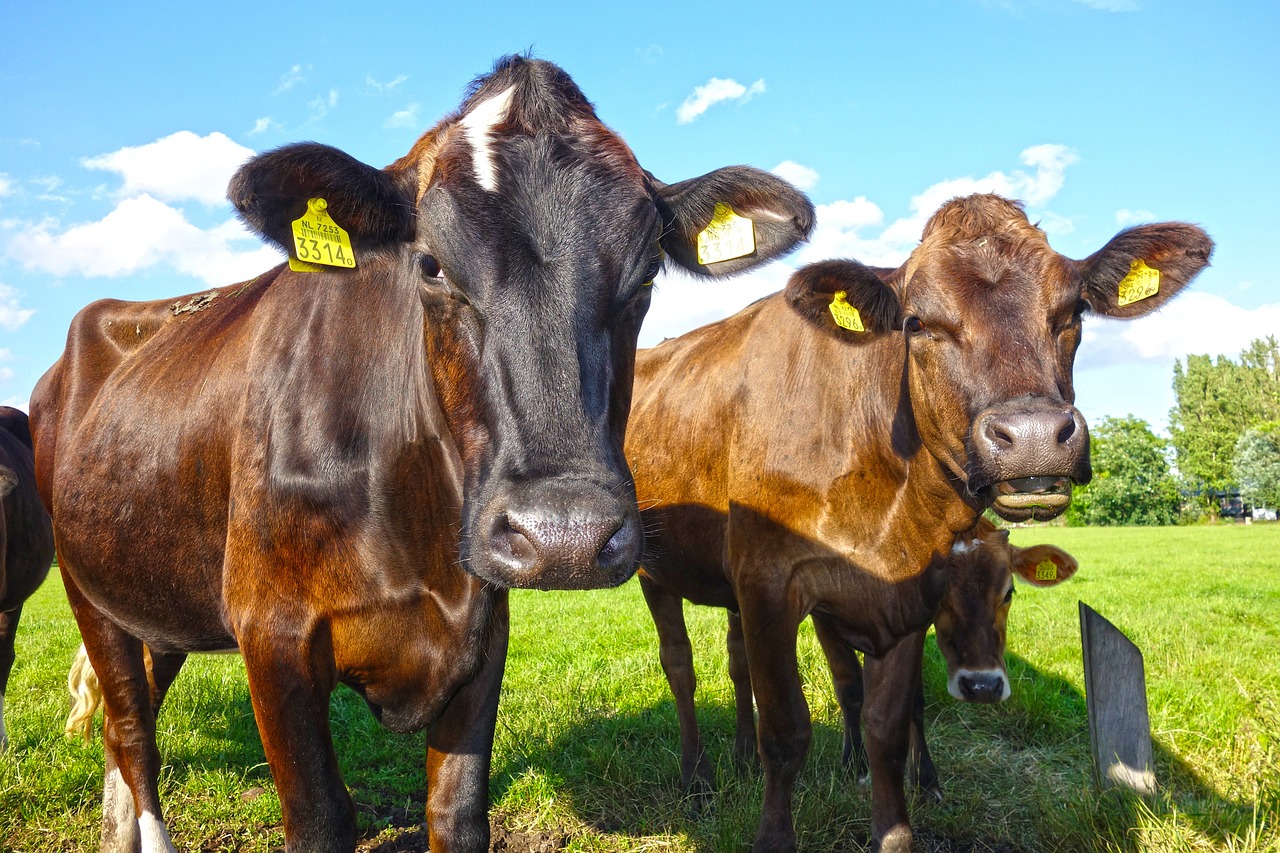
(8, 632)
(890, 686)
(290, 682)
(459, 750)
(846, 678)
(784, 728)
(920, 763)
(132, 819)
(676, 655)
(744, 737)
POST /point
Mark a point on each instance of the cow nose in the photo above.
(986, 686)
(565, 536)
(1017, 433)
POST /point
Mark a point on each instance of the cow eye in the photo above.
(914, 325)
(1008, 596)
(650, 273)
(429, 266)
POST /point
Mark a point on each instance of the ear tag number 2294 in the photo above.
(317, 239)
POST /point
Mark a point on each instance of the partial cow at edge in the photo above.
(817, 453)
(339, 470)
(26, 538)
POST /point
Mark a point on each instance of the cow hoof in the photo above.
(896, 840)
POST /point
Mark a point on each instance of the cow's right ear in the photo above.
(845, 299)
(373, 206)
(731, 220)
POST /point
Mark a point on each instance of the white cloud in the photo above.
(1126, 217)
(1111, 5)
(6, 184)
(802, 176)
(1193, 324)
(12, 316)
(178, 167)
(713, 92)
(264, 124)
(141, 233)
(407, 117)
(384, 87)
(321, 104)
(295, 75)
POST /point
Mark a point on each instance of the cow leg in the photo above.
(744, 740)
(290, 682)
(920, 763)
(846, 677)
(132, 819)
(8, 631)
(676, 654)
(784, 728)
(890, 682)
(459, 750)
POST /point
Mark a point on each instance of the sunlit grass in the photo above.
(586, 747)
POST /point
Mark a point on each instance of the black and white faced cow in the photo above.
(341, 468)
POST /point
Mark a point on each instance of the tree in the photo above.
(1257, 465)
(1131, 479)
(1215, 403)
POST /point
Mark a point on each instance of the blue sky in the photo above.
(120, 124)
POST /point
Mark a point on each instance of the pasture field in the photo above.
(586, 748)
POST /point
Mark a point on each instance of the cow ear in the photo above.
(1043, 565)
(731, 220)
(846, 299)
(373, 206)
(1142, 268)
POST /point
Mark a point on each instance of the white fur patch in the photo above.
(119, 824)
(155, 838)
(953, 683)
(476, 126)
(960, 546)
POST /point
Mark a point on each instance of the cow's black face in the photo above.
(534, 291)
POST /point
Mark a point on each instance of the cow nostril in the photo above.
(1001, 436)
(509, 538)
(1064, 435)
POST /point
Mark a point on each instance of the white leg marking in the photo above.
(476, 125)
(119, 823)
(155, 838)
(4, 735)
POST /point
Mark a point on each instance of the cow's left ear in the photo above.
(731, 220)
(271, 190)
(846, 299)
(1042, 565)
(1142, 268)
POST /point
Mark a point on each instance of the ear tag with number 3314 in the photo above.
(317, 239)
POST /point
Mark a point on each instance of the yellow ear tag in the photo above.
(1141, 282)
(302, 266)
(727, 236)
(1047, 571)
(318, 240)
(845, 315)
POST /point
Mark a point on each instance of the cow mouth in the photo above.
(1030, 498)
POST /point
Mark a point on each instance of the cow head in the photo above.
(533, 236)
(970, 623)
(989, 318)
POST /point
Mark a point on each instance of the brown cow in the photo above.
(970, 634)
(808, 468)
(26, 538)
(339, 472)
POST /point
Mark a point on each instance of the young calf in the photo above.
(970, 632)
(816, 454)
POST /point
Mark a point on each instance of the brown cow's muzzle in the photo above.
(556, 534)
(1027, 455)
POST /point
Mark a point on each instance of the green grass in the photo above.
(586, 747)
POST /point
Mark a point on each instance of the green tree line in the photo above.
(1225, 438)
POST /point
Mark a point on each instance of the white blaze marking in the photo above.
(476, 125)
(155, 838)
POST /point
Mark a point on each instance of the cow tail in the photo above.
(86, 696)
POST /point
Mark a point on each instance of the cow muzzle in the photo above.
(1027, 459)
(556, 534)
